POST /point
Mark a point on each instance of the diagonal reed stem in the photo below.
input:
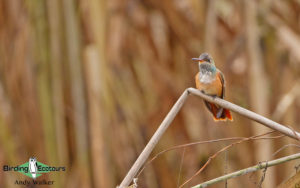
(172, 114)
(260, 166)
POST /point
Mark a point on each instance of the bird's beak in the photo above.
(197, 60)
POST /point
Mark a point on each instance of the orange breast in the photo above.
(213, 88)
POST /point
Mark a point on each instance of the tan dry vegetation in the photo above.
(85, 84)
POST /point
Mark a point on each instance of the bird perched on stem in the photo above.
(210, 81)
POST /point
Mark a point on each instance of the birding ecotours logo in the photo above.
(33, 168)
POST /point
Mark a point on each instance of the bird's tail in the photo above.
(219, 113)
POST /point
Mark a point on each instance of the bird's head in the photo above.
(204, 58)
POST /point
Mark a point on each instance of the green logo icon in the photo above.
(33, 168)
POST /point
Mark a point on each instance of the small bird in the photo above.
(210, 81)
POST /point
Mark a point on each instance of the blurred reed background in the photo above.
(84, 84)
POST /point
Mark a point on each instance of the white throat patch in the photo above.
(206, 77)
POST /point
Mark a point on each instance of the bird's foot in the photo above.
(214, 96)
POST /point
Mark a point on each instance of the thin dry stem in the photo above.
(200, 143)
(257, 167)
(220, 151)
(175, 109)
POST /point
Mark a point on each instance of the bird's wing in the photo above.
(221, 76)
